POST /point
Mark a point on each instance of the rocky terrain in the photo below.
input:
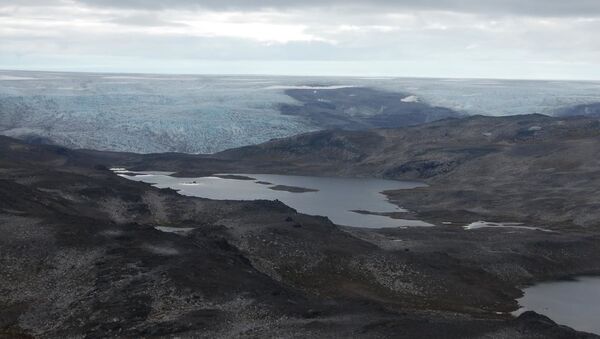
(86, 253)
(359, 108)
(592, 110)
(533, 169)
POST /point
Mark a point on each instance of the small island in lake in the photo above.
(233, 176)
(292, 189)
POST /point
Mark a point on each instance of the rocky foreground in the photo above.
(81, 255)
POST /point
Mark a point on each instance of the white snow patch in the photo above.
(119, 169)
(410, 98)
(175, 230)
(485, 224)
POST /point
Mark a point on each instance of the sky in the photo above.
(522, 39)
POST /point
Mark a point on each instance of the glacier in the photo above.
(206, 114)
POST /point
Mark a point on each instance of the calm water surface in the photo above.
(336, 198)
(572, 303)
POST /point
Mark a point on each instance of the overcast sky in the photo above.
(550, 39)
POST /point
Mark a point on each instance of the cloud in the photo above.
(449, 37)
(143, 19)
(488, 7)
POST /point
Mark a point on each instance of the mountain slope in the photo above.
(530, 168)
(359, 108)
(590, 110)
(81, 256)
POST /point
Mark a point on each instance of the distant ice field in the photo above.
(206, 114)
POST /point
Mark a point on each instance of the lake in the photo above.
(572, 303)
(336, 198)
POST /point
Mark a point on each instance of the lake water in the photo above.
(572, 303)
(335, 198)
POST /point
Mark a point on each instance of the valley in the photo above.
(299, 169)
(69, 221)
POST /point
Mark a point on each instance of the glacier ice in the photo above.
(205, 114)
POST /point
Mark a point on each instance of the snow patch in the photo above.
(410, 98)
(119, 169)
(486, 224)
(175, 230)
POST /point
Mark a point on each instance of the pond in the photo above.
(574, 303)
(348, 202)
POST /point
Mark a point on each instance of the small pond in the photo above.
(574, 303)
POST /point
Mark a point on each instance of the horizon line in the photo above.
(293, 75)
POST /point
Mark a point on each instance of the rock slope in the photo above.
(82, 257)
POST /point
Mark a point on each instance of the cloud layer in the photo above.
(492, 7)
(508, 38)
